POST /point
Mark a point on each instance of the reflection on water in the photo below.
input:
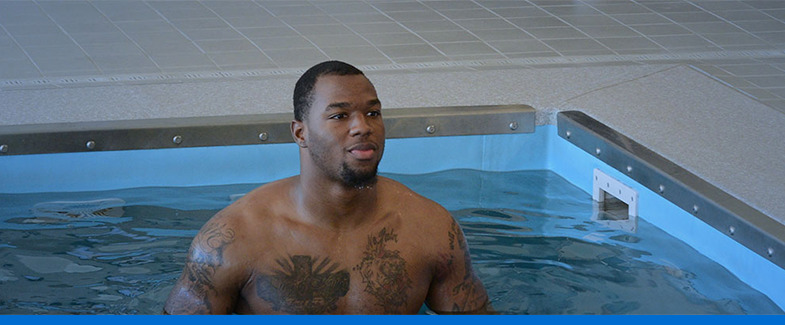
(534, 274)
(531, 236)
(96, 267)
(538, 252)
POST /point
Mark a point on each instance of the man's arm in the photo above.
(456, 289)
(206, 285)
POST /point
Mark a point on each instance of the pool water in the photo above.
(532, 241)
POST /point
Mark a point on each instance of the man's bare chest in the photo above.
(378, 278)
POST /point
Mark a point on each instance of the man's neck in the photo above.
(331, 203)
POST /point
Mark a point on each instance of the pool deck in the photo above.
(715, 110)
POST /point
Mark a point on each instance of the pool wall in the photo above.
(542, 149)
(226, 150)
(576, 166)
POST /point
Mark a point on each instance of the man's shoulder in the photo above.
(402, 195)
(273, 191)
(255, 206)
(397, 188)
(263, 198)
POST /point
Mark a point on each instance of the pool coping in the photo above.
(250, 129)
(722, 211)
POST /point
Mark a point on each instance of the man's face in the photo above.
(344, 129)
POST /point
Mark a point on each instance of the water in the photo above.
(532, 242)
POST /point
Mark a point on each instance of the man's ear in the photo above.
(298, 133)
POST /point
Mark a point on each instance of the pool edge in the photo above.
(743, 223)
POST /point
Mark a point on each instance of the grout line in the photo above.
(717, 79)
(295, 30)
(147, 55)
(407, 28)
(182, 33)
(734, 24)
(631, 28)
(710, 13)
(576, 28)
(355, 32)
(769, 15)
(466, 29)
(69, 36)
(239, 32)
(518, 27)
(21, 48)
(679, 24)
(723, 82)
(562, 103)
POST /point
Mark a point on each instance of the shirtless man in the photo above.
(337, 239)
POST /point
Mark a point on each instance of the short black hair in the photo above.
(303, 90)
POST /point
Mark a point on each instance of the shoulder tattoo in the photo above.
(205, 256)
(383, 271)
(304, 285)
(466, 294)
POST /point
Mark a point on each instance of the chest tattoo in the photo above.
(304, 285)
(383, 271)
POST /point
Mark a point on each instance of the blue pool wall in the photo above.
(576, 166)
(543, 149)
(91, 171)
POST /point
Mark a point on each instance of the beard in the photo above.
(346, 174)
(357, 178)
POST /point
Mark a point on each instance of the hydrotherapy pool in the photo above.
(521, 261)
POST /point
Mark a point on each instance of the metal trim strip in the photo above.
(250, 129)
(729, 215)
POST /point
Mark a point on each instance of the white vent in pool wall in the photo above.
(616, 204)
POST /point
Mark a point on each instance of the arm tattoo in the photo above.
(466, 295)
(383, 272)
(204, 258)
(304, 285)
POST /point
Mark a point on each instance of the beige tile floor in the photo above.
(79, 43)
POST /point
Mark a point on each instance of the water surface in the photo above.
(532, 241)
